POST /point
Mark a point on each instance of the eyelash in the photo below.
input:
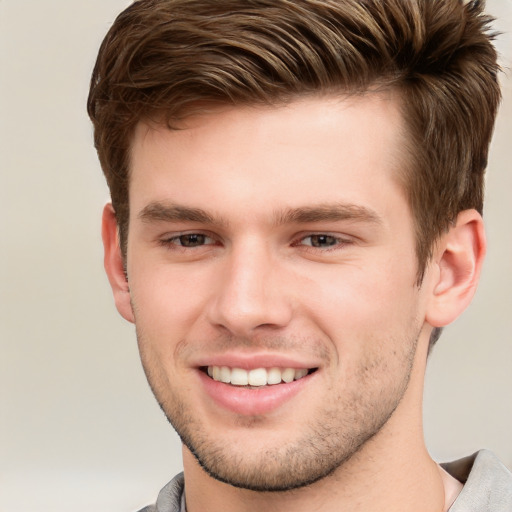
(337, 242)
(170, 242)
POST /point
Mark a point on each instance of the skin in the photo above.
(302, 248)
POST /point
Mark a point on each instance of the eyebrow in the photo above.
(328, 212)
(169, 212)
(331, 212)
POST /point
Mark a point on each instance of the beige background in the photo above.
(79, 429)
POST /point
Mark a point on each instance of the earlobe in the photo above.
(459, 259)
(114, 265)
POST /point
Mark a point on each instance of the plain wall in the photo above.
(79, 428)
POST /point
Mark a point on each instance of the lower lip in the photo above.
(255, 401)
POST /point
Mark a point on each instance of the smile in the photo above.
(257, 377)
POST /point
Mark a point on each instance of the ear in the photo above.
(459, 258)
(114, 264)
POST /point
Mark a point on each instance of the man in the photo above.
(296, 213)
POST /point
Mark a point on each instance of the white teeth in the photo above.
(256, 377)
(274, 376)
(300, 373)
(288, 374)
(239, 377)
(225, 374)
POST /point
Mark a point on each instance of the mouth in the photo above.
(257, 377)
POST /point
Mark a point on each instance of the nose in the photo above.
(251, 292)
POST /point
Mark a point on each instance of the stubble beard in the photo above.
(352, 418)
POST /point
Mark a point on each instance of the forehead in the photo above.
(317, 147)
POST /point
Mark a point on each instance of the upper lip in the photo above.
(249, 361)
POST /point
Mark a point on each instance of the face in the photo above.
(272, 270)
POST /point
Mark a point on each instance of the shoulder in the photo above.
(169, 498)
(487, 483)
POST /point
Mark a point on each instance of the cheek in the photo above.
(167, 299)
(363, 301)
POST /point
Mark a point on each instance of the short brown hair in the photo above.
(164, 57)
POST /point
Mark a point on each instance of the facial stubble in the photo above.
(330, 438)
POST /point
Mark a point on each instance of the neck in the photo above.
(392, 472)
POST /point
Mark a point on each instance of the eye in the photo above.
(189, 240)
(321, 241)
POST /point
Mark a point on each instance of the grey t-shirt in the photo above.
(487, 487)
(487, 483)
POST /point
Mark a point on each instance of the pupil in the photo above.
(322, 240)
(191, 240)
